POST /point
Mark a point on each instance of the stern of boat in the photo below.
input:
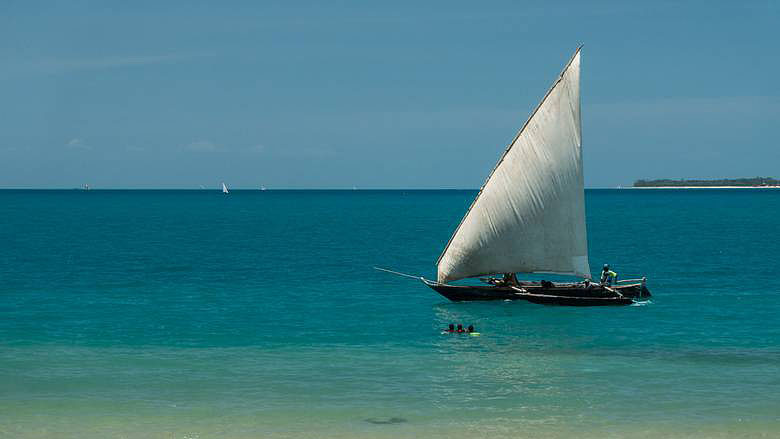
(634, 288)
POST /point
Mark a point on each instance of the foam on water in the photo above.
(642, 302)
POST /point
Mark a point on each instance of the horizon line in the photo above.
(255, 189)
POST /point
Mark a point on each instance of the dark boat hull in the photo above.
(549, 294)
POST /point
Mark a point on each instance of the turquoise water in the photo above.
(190, 314)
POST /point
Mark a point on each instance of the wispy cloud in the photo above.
(679, 108)
(308, 152)
(60, 65)
(77, 144)
(295, 152)
(204, 146)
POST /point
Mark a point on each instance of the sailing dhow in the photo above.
(224, 188)
(529, 216)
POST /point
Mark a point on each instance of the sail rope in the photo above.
(398, 273)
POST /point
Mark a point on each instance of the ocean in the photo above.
(193, 314)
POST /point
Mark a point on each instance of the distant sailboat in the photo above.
(224, 188)
(263, 188)
(529, 216)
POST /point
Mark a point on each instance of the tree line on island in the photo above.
(755, 181)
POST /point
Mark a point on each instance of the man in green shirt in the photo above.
(608, 276)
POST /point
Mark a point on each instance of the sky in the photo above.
(365, 94)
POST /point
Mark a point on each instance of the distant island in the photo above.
(724, 182)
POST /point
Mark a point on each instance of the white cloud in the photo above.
(77, 143)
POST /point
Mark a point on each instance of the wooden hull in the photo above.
(566, 294)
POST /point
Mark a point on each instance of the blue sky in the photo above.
(377, 94)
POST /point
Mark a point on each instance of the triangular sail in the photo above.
(224, 188)
(529, 215)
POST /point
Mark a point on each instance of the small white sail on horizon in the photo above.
(529, 215)
(224, 188)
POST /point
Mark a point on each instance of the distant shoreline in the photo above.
(715, 183)
(239, 189)
(702, 187)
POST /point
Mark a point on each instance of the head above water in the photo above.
(451, 327)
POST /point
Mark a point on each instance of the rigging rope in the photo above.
(398, 273)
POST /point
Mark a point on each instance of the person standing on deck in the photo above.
(608, 276)
(510, 279)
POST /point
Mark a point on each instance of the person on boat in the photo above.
(509, 279)
(608, 276)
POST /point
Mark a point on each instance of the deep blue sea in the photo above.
(192, 314)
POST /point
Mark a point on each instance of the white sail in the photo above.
(529, 215)
(224, 188)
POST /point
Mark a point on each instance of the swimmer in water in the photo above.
(451, 328)
(460, 328)
(470, 329)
